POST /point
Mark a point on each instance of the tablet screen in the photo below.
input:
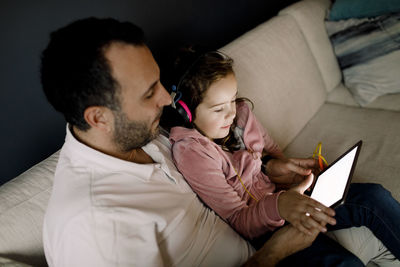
(331, 185)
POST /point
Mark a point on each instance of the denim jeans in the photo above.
(366, 204)
(373, 206)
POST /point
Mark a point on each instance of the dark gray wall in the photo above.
(30, 129)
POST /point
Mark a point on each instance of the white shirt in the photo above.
(105, 211)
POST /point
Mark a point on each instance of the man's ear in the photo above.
(99, 117)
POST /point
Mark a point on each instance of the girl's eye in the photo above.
(218, 110)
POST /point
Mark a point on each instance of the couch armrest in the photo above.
(6, 262)
(23, 202)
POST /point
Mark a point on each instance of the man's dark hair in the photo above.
(75, 73)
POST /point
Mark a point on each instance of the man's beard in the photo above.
(130, 135)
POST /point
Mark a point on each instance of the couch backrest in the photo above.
(276, 69)
(310, 16)
(23, 204)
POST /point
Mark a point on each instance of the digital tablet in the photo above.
(331, 185)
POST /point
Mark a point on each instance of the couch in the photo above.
(287, 67)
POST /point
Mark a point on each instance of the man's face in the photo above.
(142, 96)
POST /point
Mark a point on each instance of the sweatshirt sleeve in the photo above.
(202, 167)
(255, 135)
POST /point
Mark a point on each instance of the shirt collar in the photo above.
(81, 154)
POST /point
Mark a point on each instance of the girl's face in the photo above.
(215, 114)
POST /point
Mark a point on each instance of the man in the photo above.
(117, 198)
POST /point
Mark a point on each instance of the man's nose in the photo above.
(165, 98)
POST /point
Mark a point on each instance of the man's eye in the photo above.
(150, 95)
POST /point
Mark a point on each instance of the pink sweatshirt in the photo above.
(210, 171)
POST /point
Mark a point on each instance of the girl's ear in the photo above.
(99, 117)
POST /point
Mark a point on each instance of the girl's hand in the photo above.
(288, 172)
(303, 212)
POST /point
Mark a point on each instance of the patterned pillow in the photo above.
(368, 51)
(345, 9)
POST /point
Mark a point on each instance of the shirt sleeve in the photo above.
(202, 167)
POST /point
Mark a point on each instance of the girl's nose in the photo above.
(232, 113)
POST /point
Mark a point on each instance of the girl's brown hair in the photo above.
(205, 70)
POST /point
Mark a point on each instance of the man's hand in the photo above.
(286, 172)
(303, 212)
(283, 243)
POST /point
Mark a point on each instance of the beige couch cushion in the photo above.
(342, 95)
(388, 102)
(276, 70)
(310, 16)
(23, 204)
(338, 127)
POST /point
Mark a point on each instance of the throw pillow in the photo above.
(368, 52)
(345, 9)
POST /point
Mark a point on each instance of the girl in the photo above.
(234, 166)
